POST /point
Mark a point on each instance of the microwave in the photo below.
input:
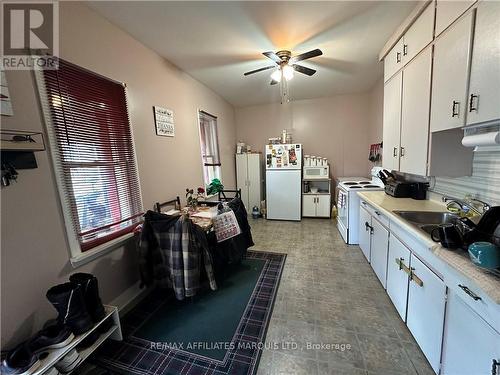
(317, 172)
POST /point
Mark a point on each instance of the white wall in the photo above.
(34, 252)
(484, 182)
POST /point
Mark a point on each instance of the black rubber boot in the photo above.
(68, 300)
(90, 291)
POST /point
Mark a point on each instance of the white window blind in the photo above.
(209, 147)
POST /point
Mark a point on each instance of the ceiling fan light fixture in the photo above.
(288, 72)
(276, 75)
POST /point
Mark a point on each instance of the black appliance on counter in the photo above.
(487, 229)
(398, 189)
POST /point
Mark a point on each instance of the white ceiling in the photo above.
(216, 42)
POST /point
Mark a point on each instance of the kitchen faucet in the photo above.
(467, 204)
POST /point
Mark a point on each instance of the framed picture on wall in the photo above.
(164, 121)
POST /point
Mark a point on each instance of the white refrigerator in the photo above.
(283, 181)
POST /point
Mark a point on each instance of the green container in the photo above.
(485, 255)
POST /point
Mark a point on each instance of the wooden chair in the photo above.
(234, 193)
(176, 203)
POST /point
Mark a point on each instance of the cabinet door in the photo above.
(419, 35)
(470, 345)
(484, 90)
(392, 122)
(394, 60)
(449, 77)
(254, 181)
(323, 206)
(309, 205)
(425, 316)
(415, 114)
(365, 222)
(397, 277)
(379, 246)
(242, 178)
(448, 11)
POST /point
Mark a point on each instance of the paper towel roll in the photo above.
(484, 139)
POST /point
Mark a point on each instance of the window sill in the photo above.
(90, 255)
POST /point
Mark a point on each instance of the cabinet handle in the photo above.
(363, 203)
(395, 152)
(471, 102)
(494, 367)
(398, 57)
(413, 277)
(402, 151)
(454, 111)
(377, 213)
(474, 296)
(402, 266)
(368, 226)
(405, 49)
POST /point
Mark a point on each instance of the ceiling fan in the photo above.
(286, 64)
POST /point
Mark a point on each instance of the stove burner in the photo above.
(371, 186)
(364, 182)
(355, 187)
(348, 183)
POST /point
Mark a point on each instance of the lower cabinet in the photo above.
(316, 205)
(470, 345)
(463, 343)
(378, 250)
(398, 264)
(365, 230)
(426, 307)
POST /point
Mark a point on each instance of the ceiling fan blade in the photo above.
(304, 70)
(273, 82)
(272, 56)
(306, 55)
(259, 70)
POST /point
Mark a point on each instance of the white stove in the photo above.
(348, 202)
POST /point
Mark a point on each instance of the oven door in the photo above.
(343, 210)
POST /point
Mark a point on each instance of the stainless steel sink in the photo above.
(427, 217)
(427, 220)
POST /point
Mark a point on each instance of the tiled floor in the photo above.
(329, 294)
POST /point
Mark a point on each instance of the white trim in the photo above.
(127, 300)
(77, 257)
(98, 251)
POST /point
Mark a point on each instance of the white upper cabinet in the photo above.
(484, 90)
(448, 11)
(449, 79)
(419, 35)
(392, 122)
(415, 114)
(394, 60)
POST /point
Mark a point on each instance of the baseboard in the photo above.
(130, 298)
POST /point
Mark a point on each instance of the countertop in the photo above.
(489, 283)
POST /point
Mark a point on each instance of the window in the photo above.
(91, 143)
(209, 147)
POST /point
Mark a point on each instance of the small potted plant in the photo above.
(193, 198)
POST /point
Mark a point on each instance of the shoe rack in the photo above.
(49, 359)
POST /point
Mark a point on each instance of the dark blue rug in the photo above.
(165, 336)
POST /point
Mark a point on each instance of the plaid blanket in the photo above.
(171, 252)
